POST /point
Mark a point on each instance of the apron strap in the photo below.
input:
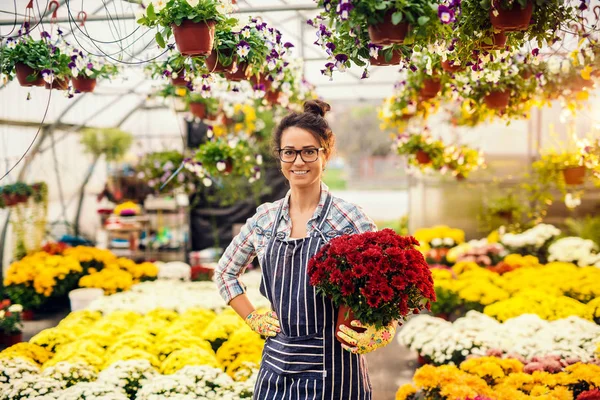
(325, 212)
(276, 223)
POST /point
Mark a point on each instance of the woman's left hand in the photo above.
(367, 341)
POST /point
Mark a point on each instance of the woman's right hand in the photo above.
(266, 324)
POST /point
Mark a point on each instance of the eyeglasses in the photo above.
(307, 155)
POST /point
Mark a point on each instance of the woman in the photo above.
(302, 358)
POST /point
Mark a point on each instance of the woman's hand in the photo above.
(367, 341)
(266, 324)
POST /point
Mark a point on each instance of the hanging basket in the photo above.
(23, 71)
(239, 74)
(422, 157)
(11, 339)
(58, 84)
(272, 97)
(574, 175)
(344, 317)
(84, 85)
(27, 315)
(214, 65)
(10, 199)
(228, 166)
(460, 177)
(194, 38)
(431, 88)
(497, 100)
(261, 80)
(386, 33)
(515, 19)
(198, 110)
(448, 66)
(498, 42)
(380, 60)
(180, 80)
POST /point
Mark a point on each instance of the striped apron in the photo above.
(304, 361)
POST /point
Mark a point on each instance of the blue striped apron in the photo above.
(304, 361)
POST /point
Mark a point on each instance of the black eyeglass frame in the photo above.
(299, 152)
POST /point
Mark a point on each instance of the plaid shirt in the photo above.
(343, 218)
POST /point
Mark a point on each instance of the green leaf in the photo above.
(160, 40)
(381, 6)
(150, 12)
(423, 20)
(397, 17)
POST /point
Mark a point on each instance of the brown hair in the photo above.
(312, 120)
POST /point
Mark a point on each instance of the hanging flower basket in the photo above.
(10, 199)
(272, 97)
(422, 157)
(27, 315)
(515, 19)
(507, 215)
(180, 80)
(228, 166)
(431, 87)
(460, 177)
(380, 60)
(497, 100)
(11, 340)
(574, 175)
(23, 71)
(344, 317)
(198, 110)
(84, 85)
(386, 33)
(239, 74)
(498, 42)
(58, 84)
(261, 80)
(194, 38)
(214, 66)
(449, 66)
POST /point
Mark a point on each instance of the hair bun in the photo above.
(316, 107)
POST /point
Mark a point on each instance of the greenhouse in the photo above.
(300, 199)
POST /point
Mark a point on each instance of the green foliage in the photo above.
(33, 53)
(586, 228)
(212, 104)
(113, 143)
(409, 145)
(447, 302)
(400, 226)
(156, 167)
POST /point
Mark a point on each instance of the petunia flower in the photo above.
(445, 14)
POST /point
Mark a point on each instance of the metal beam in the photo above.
(33, 124)
(128, 16)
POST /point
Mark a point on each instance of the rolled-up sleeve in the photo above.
(234, 261)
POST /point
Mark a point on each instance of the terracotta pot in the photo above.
(422, 157)
(272, 97)
(386, 33)
(213, 64)
(431, 87)
(380, 60)
(11, 340)
(180, 80)
(498, 42)
(505, 215)
(21, 198)
(406, 117)
(23, 71)
(422, 360)
(194, 38)
(343, 320)
(239, 75)
(526, 74)
(513, 20)
(10, 199)
(58, 84)
(198, 110)
(460, 177)
(574, 175)
(84, 85)
(578, 84)
(228, 167)
(497, 100)
(261, 80)
(448, 67)
(27, 315)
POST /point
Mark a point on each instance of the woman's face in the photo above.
(302, 173)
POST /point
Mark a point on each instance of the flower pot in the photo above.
(198, 110)
(23, 71)
(578, 84)
(498, 42)
(505, 215)
(516, 19)
(431, 87)
(450, 67)
(11, 339)
(9, 199)
(239, 74)
(406, 117)
(460, 178)
(27, 315)
(497, 100)
(380, 60)
(213, 64)
(344, 317)
(526, 74)
(84, 85)
(194, 38)
(422, 360)
(422, 157)
(261, 80)
(272, 97)
(58, 84)
(386, 33)
(574, 175)
(21, 198)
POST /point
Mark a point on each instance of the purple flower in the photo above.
(59, 31)
(535, 52)
(445, 14)
(310, 22)
(413, 68)
(71, 65)
(365, 74)
(166, 73)
(45, 35)
(454, 4)
(288, 45)
(330, 48)
(90, 65)
(374, 50)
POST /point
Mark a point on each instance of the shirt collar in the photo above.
(285, 212)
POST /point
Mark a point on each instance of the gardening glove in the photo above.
(265, 324)
(367, 341)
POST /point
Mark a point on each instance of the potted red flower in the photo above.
(375, 277)
(10, 323)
